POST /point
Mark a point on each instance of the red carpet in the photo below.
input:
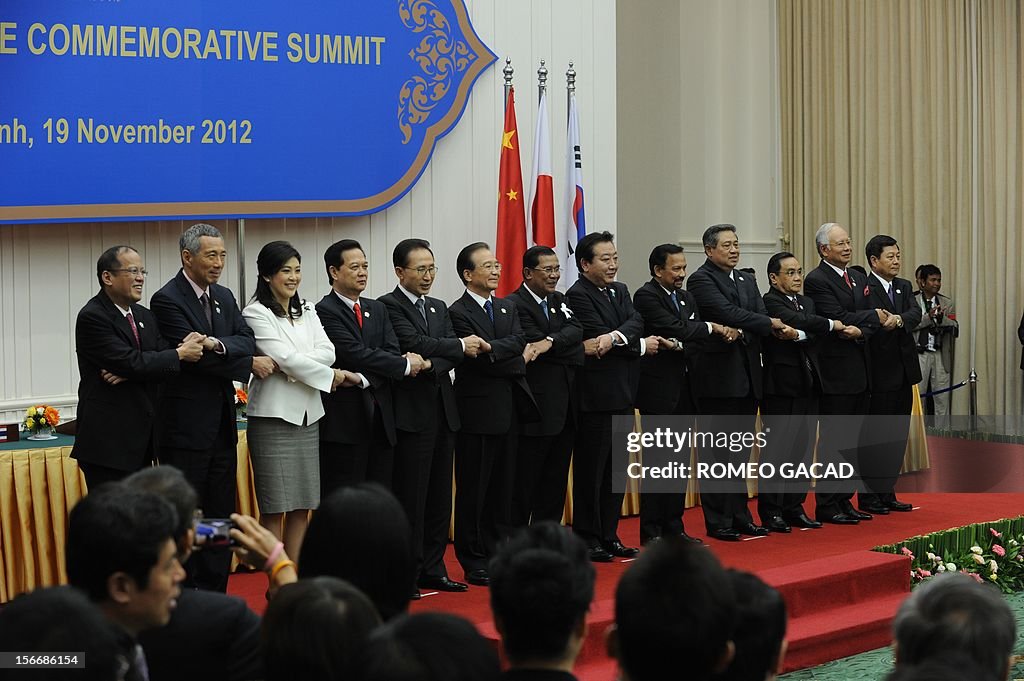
(841, 596)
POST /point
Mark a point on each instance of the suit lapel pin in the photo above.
(503, 311)
(433, 310)
(897, 290)
(141, 325)
(739, 277)
(552, 310)
(366, 313)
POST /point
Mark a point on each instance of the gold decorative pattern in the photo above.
(440, 56)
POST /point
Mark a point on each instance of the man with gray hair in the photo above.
(199, 435)
(953, 614)
(841, 292)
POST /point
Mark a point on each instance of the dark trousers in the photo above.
(880, 463)
(790, 440)
(542, 476)
(726, 509)
(595, 507)
(212, 473)
(343, 464)
(661, 514)
(96, 475)
(423, 484)
(484, 473)
(839, 435)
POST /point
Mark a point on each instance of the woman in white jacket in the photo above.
(284, 407)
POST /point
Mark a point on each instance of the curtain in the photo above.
(903, 117)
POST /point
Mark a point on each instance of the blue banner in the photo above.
(127, 109)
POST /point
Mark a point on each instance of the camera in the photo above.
(213, 532)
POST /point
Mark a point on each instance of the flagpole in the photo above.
(570, 88)
(542, 80)
(508, 70)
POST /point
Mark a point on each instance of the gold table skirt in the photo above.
(39, 486)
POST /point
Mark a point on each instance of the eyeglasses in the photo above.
(548, 270)
(491, 266)
(134, 271)
(421, 270)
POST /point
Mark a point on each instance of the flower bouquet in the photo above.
(241, 402)
(996, 559)
(40, 421)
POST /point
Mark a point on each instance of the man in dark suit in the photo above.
(670, 312)
(555, 342)
(613, 342)
(791, 394)
(199, 433)
(894, 372)
(728, 375)
(122, 359)
(493, 399)
(357, 432)
(840, 292)
(426, 416)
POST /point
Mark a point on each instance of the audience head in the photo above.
(279, 267)
(785, 273)
(834, 244)
(542, 583)
(722, 246)
(951, 613)
(597, 259)
(929, 279)
(760, 630)
(541, 270)
(347, 267)
(479, 271)
(883, 254)
(431, 646)
(414, 266)
(667, 264)
(316, 629)
(202, 253)
(169, 483)
(121, 552)
(673, 604)
(62, 619)
(121, 275)
(361, 534)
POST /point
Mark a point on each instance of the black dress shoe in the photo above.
(478, 577)
(727, 534)
(777, 524)
(901, 506)
(875, 508)
(616, 548)
(598, 555)
(441, 584)
(690, 540)
(415, 595)
(803, 521)
(859, 515)
(839, 519)
(752, 530)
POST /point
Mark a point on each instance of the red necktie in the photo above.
(135, 330)
(846, 277)
(359, 315)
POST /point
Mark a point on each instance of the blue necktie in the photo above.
(489, 309)
(675, 301)
(544, 307)
(892, 296)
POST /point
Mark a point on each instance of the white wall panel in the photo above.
(47, 272)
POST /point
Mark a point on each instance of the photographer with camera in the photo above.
(935, 337)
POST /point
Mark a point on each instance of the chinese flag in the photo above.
(511, 241)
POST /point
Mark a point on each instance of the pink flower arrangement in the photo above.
(998, 550)
(907, 552)
(994, 532)
(976, 577)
